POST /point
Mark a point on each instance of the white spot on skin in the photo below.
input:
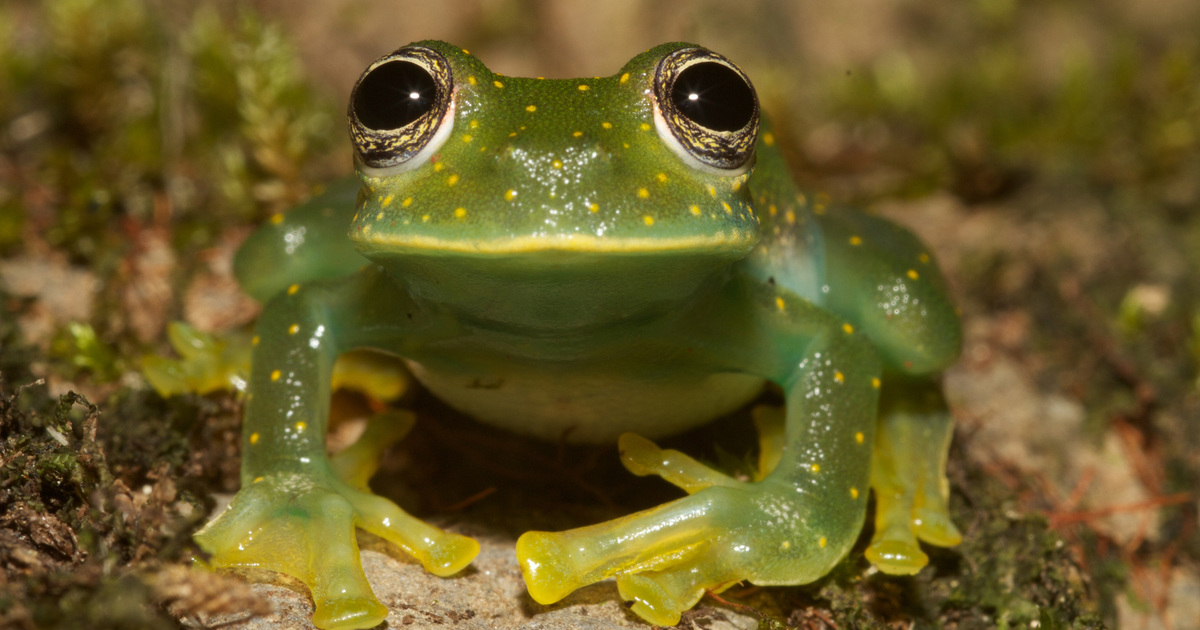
(294, 238)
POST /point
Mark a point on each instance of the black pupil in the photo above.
(713, 95)
(393, 95)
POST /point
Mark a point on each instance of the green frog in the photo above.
(618, 258)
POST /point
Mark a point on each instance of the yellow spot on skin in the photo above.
(728, 210)
(497, 84)
(583, 87)
(790, 216)
(875, 383)
(275, 375)
(277, 218)
(661, 177)
(556, 164)
(839, 377)
(379, 216)
(407, 202)
(816, 467)
(923, 258)
(822, 542)
(530, 108)
(257, 479)
(736, 185)
(644, 126)
(912, 273)
(452, 180)
(606, 125)
(510, 195)
(712, 191)
(624, 77)
(437, 168)
(254, 438)
(577, 133)
(848, 328)
(512, 135)
(300, 427)
(425, 218)
(695, 210)
(471, 80)
(643, 193)
(769, 139)
(859, 437)
(785, 544)
(254, 341)
(387, 201)
(466, 52)
(648, 219)
(772, 210)
(467, 137)
(293, 329)
(856, 240)
(460, 212)
(291, 291)
(780, 303)
(853, 493)
(595, 207)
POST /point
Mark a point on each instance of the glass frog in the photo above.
(625, 258)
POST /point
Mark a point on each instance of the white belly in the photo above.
(590, 407)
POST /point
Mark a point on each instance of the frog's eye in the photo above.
(401, 109)
(706, 111)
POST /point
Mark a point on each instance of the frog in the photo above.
(619, 258)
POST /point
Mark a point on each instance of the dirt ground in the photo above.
(1048, 152)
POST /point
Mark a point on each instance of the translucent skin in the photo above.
(556, 245)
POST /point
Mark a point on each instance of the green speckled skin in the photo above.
(556, 248)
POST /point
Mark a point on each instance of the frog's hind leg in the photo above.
(356, 463)
(908, 474)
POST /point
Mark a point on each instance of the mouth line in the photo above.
(558, 242)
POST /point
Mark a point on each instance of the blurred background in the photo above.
(1048, 151)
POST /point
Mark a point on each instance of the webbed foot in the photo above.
(303, 524)
(908, 474)
(666, 558)
(206, 363)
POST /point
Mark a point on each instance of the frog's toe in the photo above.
(550, 570)
(441, 553)
(349, 613)
(933, 525)
(661, 597)
(894, 548)
(897, 556)
(642, 457)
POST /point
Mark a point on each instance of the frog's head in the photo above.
(482, 190)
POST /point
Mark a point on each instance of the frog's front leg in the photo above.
(789, 528)
(297, 511)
